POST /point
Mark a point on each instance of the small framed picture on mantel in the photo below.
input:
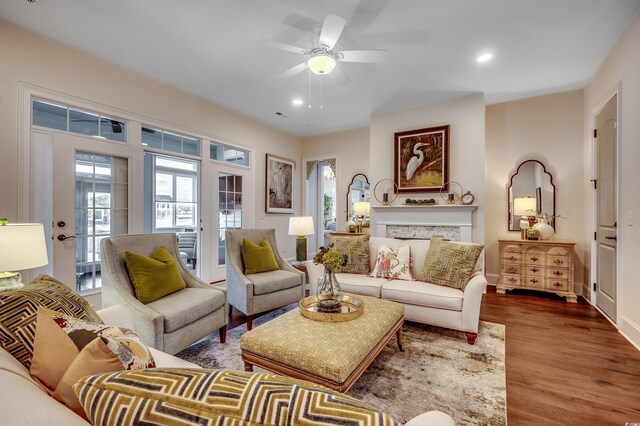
(279, 185)
(421, 160)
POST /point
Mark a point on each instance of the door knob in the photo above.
(64, 237)
(61, 223)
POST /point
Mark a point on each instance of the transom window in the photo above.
(229, 154)
(74, 120)
(167, 141)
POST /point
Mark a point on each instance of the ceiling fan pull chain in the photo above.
(309, 85)
(321, 78)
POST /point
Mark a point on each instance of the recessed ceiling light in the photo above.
(485, 57)
(297, 101)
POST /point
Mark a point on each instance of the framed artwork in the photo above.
(279, 185)
(421, 160)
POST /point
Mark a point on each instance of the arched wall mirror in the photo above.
(531, 181)
(358, 190)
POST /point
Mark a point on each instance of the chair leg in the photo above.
(471, 338)
(223, 334)
(249, 322)
(230, 310)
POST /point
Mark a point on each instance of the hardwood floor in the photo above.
(566, 364)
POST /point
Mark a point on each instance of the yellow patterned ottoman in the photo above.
(330, 354)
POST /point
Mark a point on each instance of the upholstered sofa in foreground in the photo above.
(24, 402)
(423, 302)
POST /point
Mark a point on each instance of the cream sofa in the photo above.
(423, 302)
(24, 402)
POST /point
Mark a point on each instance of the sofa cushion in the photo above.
(450, 263)
(258, 257)
(393, 264)
(153, 278)
(197, 396)
(186, 306)
(18, 310)
(423, 294)
(360, 284)
(357, 251)
(272, 281)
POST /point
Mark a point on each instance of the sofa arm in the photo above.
(431, 418)
(471, 302)
(116, 315)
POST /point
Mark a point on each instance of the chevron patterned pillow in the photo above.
(450, 263)
(19, 308)
(163, 396)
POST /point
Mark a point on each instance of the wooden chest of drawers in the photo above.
(537, 265)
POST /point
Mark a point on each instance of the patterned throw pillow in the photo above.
(357, 250)
(66, 349)
(198, 396)
(18, 311)
(449, 263)
(393, 265)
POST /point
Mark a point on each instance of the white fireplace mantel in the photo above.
(459, 216)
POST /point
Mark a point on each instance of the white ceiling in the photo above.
(209, 48)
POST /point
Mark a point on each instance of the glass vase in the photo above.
(328, 292)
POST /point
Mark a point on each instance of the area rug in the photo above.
(437, 371)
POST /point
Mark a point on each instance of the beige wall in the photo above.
(466, 116)
(622, 66)
(350, 148)
(36, 60)
(548, 129)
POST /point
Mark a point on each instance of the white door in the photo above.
(233, 203)
(606, 213)
(89, 202)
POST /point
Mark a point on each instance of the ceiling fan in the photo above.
(322, 59)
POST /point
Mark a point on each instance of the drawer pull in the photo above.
(512, 270)
(557, 284)
(534, 259)
(558, 262)
(512, 280)
(533, 281)
(558, 273)
(511, 258)
(534, 270)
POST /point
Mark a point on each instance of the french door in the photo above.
(232, 195)
(81, 200)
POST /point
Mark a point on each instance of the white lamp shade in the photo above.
(524, 206)
(361, 208)
(321, 64)
(301, 225)
(22, 246)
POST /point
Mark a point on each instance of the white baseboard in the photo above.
(492, 279)
(630, 331)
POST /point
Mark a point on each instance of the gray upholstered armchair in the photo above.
(174, 321)
(256, 293)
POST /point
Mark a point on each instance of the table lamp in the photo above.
(526, 209)
(22, 246)
(301, 226)
(362, 208)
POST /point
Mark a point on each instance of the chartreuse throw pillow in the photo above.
(155, 277)
(258, 258)
(449, 263)
(218, 397)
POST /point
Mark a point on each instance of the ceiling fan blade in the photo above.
(283, 46)
(331, 30)
(293, 71)
(363, 55)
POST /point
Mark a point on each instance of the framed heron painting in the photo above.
(421, 160)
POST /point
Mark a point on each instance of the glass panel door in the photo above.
(230, 209)
(102, 210)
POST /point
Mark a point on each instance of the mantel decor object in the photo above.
(385, 192)
(453, 194)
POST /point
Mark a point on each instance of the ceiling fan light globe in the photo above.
(321, 64)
